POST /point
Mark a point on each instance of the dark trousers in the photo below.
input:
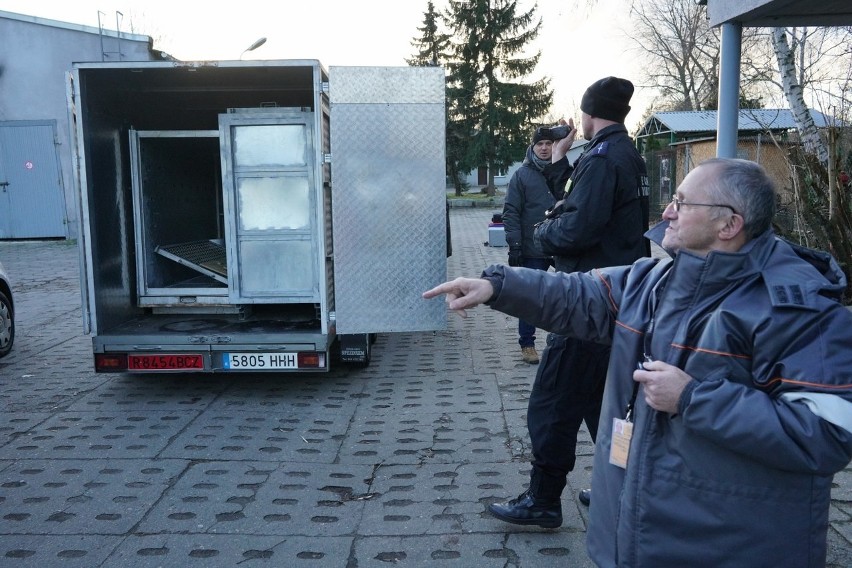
(526, 331)
(568, 389)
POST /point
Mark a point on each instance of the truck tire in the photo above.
(7, 325)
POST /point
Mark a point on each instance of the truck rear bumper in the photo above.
(240, 359)
(212, 343)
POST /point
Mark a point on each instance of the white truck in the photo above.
(256, 216)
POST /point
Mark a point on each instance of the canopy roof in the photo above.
(780, 13)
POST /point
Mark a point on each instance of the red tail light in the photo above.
(312, 360)
(110, 362)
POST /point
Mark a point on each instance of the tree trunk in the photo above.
(795, 98)
(456, 178)
(833, 197)
(490, 188)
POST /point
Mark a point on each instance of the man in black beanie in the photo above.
(608, 98)
(600, 222)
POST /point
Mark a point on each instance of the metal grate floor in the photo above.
(205, 256)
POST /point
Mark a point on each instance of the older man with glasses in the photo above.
(728, 403)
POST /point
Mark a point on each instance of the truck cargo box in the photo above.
(256, 216)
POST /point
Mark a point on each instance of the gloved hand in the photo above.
(516, 258)
(556, 210)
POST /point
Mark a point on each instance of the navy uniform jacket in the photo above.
(604, 214)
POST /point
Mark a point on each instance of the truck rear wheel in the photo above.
(7, 325)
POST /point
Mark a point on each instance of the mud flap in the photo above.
(356, 348)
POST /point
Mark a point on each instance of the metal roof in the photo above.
(690, 122)
(780, 13)
(74, 27)
(731, 15)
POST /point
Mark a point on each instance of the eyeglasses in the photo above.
(678, 203)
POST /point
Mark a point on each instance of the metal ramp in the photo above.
(206, 256)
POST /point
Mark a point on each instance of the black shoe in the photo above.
(585, 496)
(526, 510)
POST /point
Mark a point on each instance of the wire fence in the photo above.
(668, 167)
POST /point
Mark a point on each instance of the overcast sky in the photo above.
(578, 45)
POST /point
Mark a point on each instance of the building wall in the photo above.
(758, 149)
(667, 167)
(36, 54)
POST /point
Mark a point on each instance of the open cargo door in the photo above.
(388, 197)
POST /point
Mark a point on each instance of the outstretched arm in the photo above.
(463, 293)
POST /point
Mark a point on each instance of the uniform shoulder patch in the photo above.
(790, 295)
(601, 149)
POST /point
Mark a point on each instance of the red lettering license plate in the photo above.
(165, 362)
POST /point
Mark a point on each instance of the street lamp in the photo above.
(253, 46)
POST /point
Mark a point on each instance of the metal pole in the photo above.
(101, 34)
(727, 124)
(118, 32)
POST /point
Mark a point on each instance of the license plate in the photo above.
(260, 361)
(165, 362)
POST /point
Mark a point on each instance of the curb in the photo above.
(491, 202)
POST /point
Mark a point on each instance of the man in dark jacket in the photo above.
(528, 197)
(728, 403)
(600, 222)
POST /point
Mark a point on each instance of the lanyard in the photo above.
(646, 358)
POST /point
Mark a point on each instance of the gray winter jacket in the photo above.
(741, 475)
(527, 198)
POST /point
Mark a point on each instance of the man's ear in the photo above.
(733, 229)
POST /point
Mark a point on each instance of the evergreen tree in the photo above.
(489, 115)
(433, 49)
(432, 46)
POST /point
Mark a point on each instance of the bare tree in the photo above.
(816, 61)
(683, 62)
(684, 54)
(791, 83)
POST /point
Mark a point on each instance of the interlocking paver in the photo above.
(81, 496)
(393, 464)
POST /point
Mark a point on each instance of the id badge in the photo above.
(622, 431)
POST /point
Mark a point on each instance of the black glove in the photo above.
(516, 258)
(556, 210)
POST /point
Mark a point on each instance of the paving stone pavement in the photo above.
(393, 464)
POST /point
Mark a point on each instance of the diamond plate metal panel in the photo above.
(389, 197)
(387, 85)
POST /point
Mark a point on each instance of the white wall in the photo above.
(36, 54)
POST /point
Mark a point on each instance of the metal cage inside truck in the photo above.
(256, 216)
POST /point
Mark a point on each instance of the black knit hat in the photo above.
(608, 99)
(541, 133)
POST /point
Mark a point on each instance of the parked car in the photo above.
(7, 314)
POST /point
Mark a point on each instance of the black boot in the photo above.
(525, 509)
